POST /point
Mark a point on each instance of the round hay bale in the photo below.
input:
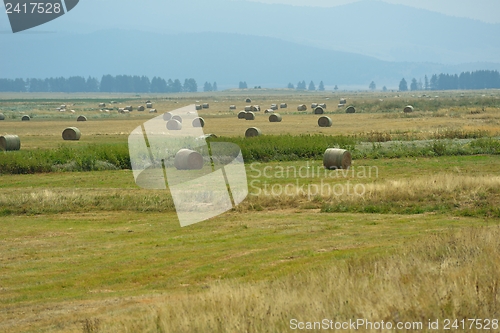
(129, 108)
(198, 122)
(325, 121)
(269, 111)
(252, 132)
(149, 105)
(10, 142)
(178, 118)
(25, 118)
(249, 116)
(319, 110)
(174, 125)
(120, 110)
(343, 101)
(323, 105)
(148, 101)
(140, 108)
(248, 108)
(314, 105)
(126, 112)
(274, 107)
(153, 111)
(187, 159)
(198, 107)
(71, 133)
(63, 106)
(350, 109)
(81, 118)
(232, 107)
(2, 117)
(205, 106)
(283, 106)
(335, 158)
(408, 109)
(167, 116)
(275, 118)
(255, 108)
(302, 107)
(102, 105)
(241, 115)
(248, 100)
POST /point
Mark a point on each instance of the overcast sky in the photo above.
(484, 10)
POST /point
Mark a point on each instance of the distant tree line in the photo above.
(108, 83)
(482, 79)
(301, 85)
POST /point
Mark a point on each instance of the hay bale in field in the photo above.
(205, 106)
(241, 115)
(408, 109)
(335, 158)
(186, 159)
(314, 105)
(174, 125)
(26, 118)
(323, 105)
(325, 121)
(248, 100)
(148, 101)
(302, 107)
(319, 110)
(126, 112)
(10, 142)
(283, 106)
(275, 118)
(102, 105)
(198, 122)
(81, 118)
(343, 101)
(255, 108)
(153, 111)
(71, 133)
(178, 118)
(63, 106)
(140, 108)
(167, 116)
(149, 105)
(198, 107)
(350, 109)
(232, 107)
(128, 108)
(248, 108)
(274, 107)
(249, 116)
(120, 110)
(252, 132)
(2, 117)
(269, 111)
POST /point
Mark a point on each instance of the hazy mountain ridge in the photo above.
(225, 58)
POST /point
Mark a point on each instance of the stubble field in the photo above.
(409, 234)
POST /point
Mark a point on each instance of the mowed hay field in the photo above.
(401, 240)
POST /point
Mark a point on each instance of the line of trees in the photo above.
(301, 85)
(482, 79)
(108, 83)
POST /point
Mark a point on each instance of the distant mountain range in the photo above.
(268, 45)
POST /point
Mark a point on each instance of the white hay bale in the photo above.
(174, 125)
(205, 105)
(232, 107)
(325, 121)
(275, 118)
(302, 107)
(248, 108)
(408, 109)
(335, 158)
(2, 117)
(140, 108)
(153, 111)
(241, 115)
(249, 116)
(71, 133)
(283, 106)
(198, 107)
(314, 105)
(149, 105)
(198, 122)
(350, 109)
(186, 159)
(269, 111)
(178, 118)
(318, 110)
(167, 116)
(252, 132)
(81, 118)
(10, 142)
(26, 118)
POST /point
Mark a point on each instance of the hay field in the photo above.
(91, 252)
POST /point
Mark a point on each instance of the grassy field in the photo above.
(408, 234)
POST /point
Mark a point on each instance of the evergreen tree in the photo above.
(311, 87)
(413, 84)
(243, 85)
(403, 86)
(214, 86)
(372, 86)
(335, 88)
(207, 86)
(384, 88)
(290, 86)
(433, 85)
(321, 86)
(426, 83)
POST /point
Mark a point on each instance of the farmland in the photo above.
(410, 233)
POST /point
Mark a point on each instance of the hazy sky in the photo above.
(484, 10)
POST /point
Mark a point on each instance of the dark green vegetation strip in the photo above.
(265, 148)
